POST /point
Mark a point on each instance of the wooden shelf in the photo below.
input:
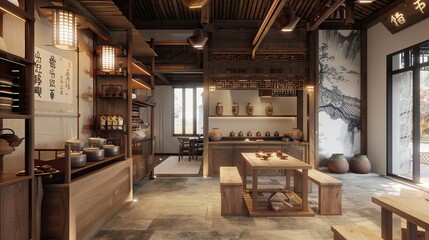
(138, 68)
(12, 115)
(111, 98)
(11, 178)
(17, 11)
(143, 104)
(6, 56)
(252, 116)
(89, 165)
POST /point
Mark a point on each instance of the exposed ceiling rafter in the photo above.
(274, 10)
(334, 4)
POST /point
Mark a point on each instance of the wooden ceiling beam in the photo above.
(378, 16)
(162, 77)
(323, 16)
(268, 21)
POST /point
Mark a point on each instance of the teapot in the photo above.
(5, 148)
(14, 141)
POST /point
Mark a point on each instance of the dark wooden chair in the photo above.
(197, 146)
(185, 147)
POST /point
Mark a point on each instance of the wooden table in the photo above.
(415, 211)
(255, 164)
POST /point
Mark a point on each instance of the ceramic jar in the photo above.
(219, 109)
(360, 164)
(232, 134)
(249, 109)
(235, 109)
(240, 134)
(269, 109)
(215, 134)
(267, 134)
(296, 134)
(337, 163)
(249, 133)
(258, 134)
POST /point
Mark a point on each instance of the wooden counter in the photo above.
(78, 209)
(228, 153)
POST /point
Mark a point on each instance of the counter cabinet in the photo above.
(76, 202)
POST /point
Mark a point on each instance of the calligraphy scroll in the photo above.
(52, 77)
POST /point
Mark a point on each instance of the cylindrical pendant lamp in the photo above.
(107, 58)
(65, 29)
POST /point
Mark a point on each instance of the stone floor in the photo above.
(189, 208)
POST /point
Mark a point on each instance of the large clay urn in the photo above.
(337, 163)
(360, 164)
(215, 134)
(296, 134)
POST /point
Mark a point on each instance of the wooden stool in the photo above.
(330, 195)
(231, 190)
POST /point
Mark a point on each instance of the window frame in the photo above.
(194, 117)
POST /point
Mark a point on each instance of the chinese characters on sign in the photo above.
(405, 14)
(420, 5)
(52, 77)
(398, 19)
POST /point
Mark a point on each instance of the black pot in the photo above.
(111, 150)
(77, 159)
(94, 154)
(97, 142)
(77, 144)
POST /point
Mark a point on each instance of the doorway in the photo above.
(408, 114)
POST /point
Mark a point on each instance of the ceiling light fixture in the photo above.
(193, 4)
(64, 22)
(197, 40)
(287, 20)
(365, 1)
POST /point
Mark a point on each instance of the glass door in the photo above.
(408, 114)
(402, 125)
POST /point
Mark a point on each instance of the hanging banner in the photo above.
(52, 77)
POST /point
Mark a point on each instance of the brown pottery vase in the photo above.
(219, 109)
(360, 164)
(337, 163)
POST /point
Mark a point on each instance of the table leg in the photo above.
(288, 175)
(244, 176)
(411, 230)
(304, 189)
(386, 224)
(254, 190)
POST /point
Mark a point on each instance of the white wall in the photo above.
(163, 125)
(281, 106)
(381, 43)
(57, 122)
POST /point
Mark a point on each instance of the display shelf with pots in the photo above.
(143, 107)
(109, 190)
(17, 102)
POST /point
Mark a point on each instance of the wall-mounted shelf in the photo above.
(253, 116)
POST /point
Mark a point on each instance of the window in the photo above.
(188, 111)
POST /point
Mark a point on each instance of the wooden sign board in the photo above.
(406, 14)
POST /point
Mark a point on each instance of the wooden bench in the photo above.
(415, 194)
(353, 232)
(231, 190)
(330, 198)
